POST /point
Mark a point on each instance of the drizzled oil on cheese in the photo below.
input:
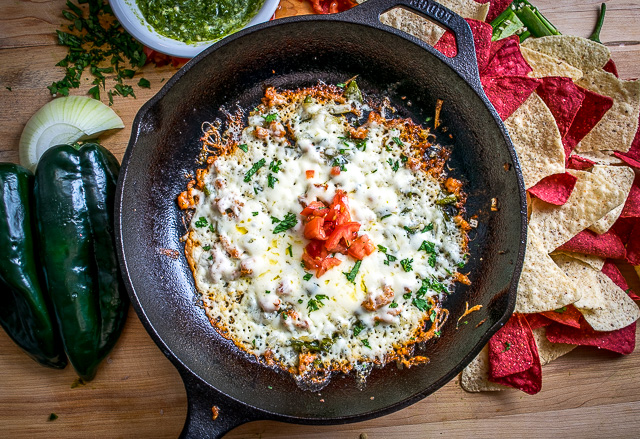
(246, 236)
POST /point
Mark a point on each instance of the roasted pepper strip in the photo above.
(24, 306)
(74, 194)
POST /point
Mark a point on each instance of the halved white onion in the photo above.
(64, 120)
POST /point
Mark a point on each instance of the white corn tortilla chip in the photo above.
(543, 286)
(549, 351)
(545, 65)
(426, 30)
(604, 305)
(594, 261)
(536, 138)
(618, 126)
(592, 197)
(579, 52)
(475, 377)
(601, 157)
(623, 176)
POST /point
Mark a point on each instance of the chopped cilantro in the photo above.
(206, 248)
(433, 315)
(393, 305)
(432, 260)
(254, 213)
(397, 141)
(390, 258)
(507, 346)
(421, 304)
(289, 221)
(289, 251)
(211, 228)
(427, 246)
(561, 310)
(259, 164)
(406, 264)
(300, 301)
(274, 166)
(358, 327)
(271, 181)
(244, 147)
(385, 216)
(144, 83)
(406, 296)
(460, 264)
(428, 119)
(362, 145)
(202, 222)
(404, 158)
(428, 228)
(315, 303)
(52, 417)
(351, 276)
(394, 165)
(366, 343)
(274, 220)
(382, 248)
(307, 276)
(270, 117)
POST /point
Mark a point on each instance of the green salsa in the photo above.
(193, 21)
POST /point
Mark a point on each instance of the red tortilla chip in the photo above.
(567, 315)
(611, 68)
(505, 59)
(537, 320)
(481, 37)
(594, 106)
(496, 8)
(633, 245)
(622, 341)
(579, 163)
(554, 189)
(623, 228)
(509, 350)
(524, 356)
(507, 93)
(563, 98)
(608, 245)
(612, 271)
(632, 157)
(632, 205)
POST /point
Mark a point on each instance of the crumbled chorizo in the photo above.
(376, 301)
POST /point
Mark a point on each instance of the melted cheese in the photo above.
(252, 280)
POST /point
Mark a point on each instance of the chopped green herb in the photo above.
(428, 228)
(289, 221)
(289, 251)
(460, 264)
(271, 181)
(432, 260)
(202, 222)
(366, 343)
(212, 229)
(274, 166)
(315, 303)
(427, 246)
(340, 161)
(433, 315)
(307, 276)
(395, 166)
(358, 327)
(393, 305)
(428, 119)
(144, 83)
(421, 304)
(274, 220)
(270, 117)
(397, 141)
(210, 258)
(351, 276)
(362, 145)
(507, 346)
(253, 342)
(561, 310)
(383, 249)
(447, 200)
(406, 264)
(8, 88)
(386, 216)
(52, 417)
(254, 213)
(404, 158)
(206, 191)
(206, 248)
(406, 296)
(244, 147)
(390, 258)
(256, 166)
(300, 301)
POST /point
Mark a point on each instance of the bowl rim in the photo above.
(129, 15)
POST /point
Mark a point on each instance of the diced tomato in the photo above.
(344, 231)
(339, 209)
(335, 170)
(361, 247)
(310, 173)
(314, 228)
(315, 208)
(316, 249)
(327, 264)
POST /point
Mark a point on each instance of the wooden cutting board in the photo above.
(138, 394)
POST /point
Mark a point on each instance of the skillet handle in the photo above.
(201, 399)
(464, 62)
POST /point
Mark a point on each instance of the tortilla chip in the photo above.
(613, 272)
(604, 305)
(554, 189)
(633, 245)
(594, 107)
(475, 377)
(481, 39)
(563, 98)
(595, 261)
(617, 128)
(610, 67)
(622, 341)
(508, 93)
(537, 320)
(567, 315)
(505, 59)
(624, 177)
(537, 140)
(602, 158)
(579, 163)
(579, 52)
(631, 208)
(607, 245)
(545, 65)
(426, 30)
(497, 7)
(547, 350)
(543, 286)
(592, 197)
(632, 157)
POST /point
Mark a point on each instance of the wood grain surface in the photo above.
(138, 393)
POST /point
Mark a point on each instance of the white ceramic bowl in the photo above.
(129, 15)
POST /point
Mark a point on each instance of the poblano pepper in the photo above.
(24, 306)
(74, 197)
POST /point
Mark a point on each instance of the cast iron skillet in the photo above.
(292, 53)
